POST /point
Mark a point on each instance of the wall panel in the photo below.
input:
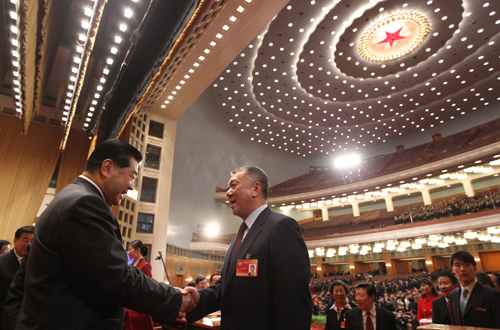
(27, 163)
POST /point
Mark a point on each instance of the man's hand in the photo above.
(190, 298)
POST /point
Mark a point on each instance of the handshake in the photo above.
(190, 298)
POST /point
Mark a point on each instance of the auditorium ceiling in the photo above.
(322, 78)
(330, 76)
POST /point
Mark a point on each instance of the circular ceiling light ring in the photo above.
(404, 32)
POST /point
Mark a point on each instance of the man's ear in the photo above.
(106, 167)
(256, 189)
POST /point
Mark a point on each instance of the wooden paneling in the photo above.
(400, 267)
(490, 260)
(172, 260)
(27, 163)
(73, 159)
(363, 267)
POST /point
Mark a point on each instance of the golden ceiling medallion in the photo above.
(393, 37)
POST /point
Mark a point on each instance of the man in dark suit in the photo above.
(472, 304)
(367, 316)
(76, 275)
(278, 297)
(441, 306)
(9, 262)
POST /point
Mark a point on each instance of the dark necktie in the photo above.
(369, 322)
(448, 303)
(239, 237)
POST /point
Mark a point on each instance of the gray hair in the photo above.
(257, 175)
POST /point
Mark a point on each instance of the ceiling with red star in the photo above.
(392, 37)
(303, 87)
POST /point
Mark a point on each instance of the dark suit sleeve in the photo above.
(210, 301)
(388, 320)
(289, 271)
(349, 320)
(331, 315)
(495, 303)
(91, 248)
(435, 311)
(454, 305)
(15, 295)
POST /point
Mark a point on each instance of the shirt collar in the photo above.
(469, 287)
(254, 215)
(372, 311)
(19, 258)
(95, 185)
(137, 261)
(347, 305)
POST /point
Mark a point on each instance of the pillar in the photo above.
(469, 191)
(389, 204)
(388, 263)
(159, 239)
(428, 260)
(355, 209)
(426, 195)
(475, 254)
(352, 265)
(324, 213)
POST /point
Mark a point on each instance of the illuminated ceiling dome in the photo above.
(302, 85)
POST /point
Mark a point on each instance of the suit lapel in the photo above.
(456, 305)
(247, 242)
(474, 295)
(359, 319)
(225, 269)
(379, 319)
(12, 261)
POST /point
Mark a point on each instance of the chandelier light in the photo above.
(320, 252)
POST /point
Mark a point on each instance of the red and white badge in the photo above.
(247, 267)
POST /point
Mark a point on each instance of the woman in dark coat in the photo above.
(335, 312)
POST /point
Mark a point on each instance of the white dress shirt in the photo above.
(251, 219)
(373, 316)
(89, 180)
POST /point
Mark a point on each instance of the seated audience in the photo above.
(385, 304)
(414, 319)
(412, 304)
(401, 322)
(200, 282)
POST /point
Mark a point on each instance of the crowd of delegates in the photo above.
(413, 300)
(394, 292)
(451, 207)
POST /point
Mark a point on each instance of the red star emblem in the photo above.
(391, 37)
